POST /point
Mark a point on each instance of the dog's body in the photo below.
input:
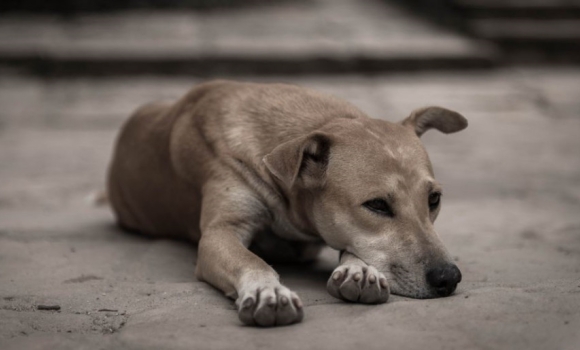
(272, 165)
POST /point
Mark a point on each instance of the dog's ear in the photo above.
(301, 160)
(442, 119)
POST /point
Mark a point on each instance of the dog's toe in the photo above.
(336, 280)
(346, 282)
(246, 307)
(376, 289)
(289, 308)
(351, 288)
(265, 314)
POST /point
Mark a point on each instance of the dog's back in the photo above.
(165, 152)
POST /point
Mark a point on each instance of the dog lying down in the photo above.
(247, 170)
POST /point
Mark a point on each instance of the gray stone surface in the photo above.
(294, 35)
(510, 218)
(524, 30)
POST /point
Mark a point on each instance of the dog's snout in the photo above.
(444, 279)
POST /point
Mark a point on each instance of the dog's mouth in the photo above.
(404, 283)
(420, 293)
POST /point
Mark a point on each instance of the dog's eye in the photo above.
(434, 200)
(379, 206)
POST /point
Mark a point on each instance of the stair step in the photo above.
(529, 40)
(527, 29)
(517, 3)
(317, 36)
(540, 9)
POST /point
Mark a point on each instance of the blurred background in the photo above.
(72, 71)
(205, 37)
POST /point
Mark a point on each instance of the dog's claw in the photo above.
(357, 283)
(298, 303)
(272, 309)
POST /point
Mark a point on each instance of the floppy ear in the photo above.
(303, 160)
(439, 118)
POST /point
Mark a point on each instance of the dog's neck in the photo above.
(287, 220)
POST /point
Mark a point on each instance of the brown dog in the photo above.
(284, 169)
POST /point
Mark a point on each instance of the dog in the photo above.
(248, 170)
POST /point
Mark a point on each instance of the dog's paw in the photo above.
(359, 284)
(269, 306)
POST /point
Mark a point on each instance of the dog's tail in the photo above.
(98, 198)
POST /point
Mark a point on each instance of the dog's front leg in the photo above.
(230, 215)
(353, 280)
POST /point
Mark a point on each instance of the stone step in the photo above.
(531, 39)
(530, 30)
(79, 6)
(519, 8)
(318, 36)
(527, 29)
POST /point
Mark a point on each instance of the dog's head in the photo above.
(367, 187)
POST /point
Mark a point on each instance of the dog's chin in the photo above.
(409, 292)
(414, 291)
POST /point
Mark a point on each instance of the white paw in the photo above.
(269, 306)
(359, 284)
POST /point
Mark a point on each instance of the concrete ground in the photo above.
(510, 217)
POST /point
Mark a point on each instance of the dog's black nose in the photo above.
(444, 279)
